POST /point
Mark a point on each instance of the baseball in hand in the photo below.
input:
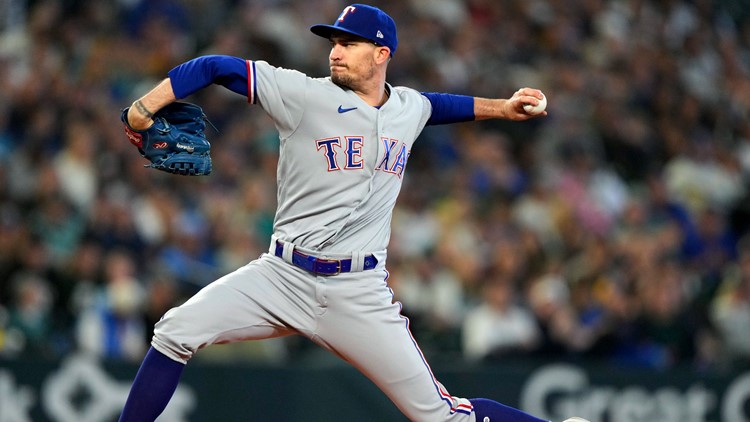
(534, 110)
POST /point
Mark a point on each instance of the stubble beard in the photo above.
(347, 80)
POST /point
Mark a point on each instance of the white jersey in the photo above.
(341, 160)
(340, 170)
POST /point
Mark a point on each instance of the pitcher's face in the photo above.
(352, 61)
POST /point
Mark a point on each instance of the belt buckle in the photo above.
(329, 261)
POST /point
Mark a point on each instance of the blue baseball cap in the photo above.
(363, 21)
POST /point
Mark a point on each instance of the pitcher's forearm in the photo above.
(490, 108)
(140, 115)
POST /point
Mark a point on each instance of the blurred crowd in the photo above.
(616, 229)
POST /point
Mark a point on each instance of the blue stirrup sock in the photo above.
(153, 387)
(496, 412)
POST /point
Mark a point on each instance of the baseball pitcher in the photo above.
(345, 142)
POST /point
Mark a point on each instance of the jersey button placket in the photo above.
(320, 294)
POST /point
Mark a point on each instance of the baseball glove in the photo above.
(175, 143)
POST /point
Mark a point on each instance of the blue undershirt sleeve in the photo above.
(450, 108)
(198, 73)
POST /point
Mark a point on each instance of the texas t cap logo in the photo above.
(343, 14)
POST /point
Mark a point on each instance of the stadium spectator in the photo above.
(614, 217)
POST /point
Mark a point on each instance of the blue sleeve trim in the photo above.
(450, 108)
(198, 73)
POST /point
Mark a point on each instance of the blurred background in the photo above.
(611, 236)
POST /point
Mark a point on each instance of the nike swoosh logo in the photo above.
(344, 110)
